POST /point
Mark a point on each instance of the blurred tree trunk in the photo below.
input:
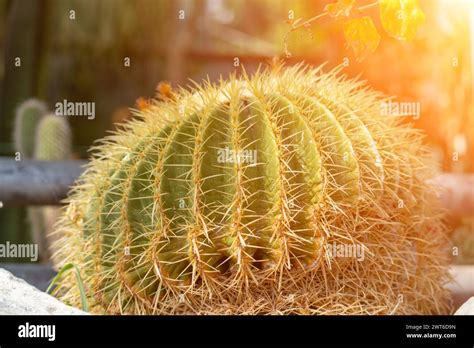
(22, 46)
(181, 34)
(21, 57)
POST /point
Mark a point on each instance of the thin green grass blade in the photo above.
(67, 267)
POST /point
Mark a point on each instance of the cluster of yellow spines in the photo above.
(282, 192)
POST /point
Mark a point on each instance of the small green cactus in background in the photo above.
(42, 137)
(27, 117)
(53, 139)
(284, 192)
(52, 143)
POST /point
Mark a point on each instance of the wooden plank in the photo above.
(30, 182)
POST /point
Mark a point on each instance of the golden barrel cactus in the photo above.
(282, 192)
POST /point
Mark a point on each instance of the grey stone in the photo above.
(467, 308)
(19, 298)
(38, 275)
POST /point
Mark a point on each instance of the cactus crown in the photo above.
(245, 197)
(27, 117)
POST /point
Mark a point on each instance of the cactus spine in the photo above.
(239, 197)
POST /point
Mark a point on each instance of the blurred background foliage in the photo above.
(79, 56)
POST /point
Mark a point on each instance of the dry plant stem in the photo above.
(298, 24)
(311, 20)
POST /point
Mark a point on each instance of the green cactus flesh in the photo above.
(233, 198)
(27, 117)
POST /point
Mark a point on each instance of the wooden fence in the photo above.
(30, 182)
